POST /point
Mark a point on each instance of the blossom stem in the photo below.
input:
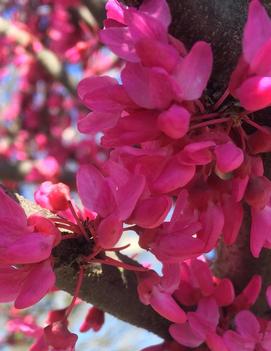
(222, 98)
(76, 292)
(255, 125)
(200, 105)
(208, 123)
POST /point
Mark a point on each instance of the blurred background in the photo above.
(46, 48)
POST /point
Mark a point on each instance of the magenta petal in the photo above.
(260, 229)
(206, 318)
(247, 325)
(236, 342)
(255, 93)
(166, 306)
(114, 10)
(138, 127)
(94, 191)
(156, 84)
(128, 195)
(261, 62)
(232, 223)
(109, 99)
(196, 153)
(180, 244)
(158, 9)
(173, 176)
(224, 293)
(228, 157)
(153, 53)
(174, 122)
(212, 224)
(202, 275)
(141, 26)
(29, 248)
(249, 295)
(109, 231)
(171, 277)
(151, 212)
(194, 71)
(239, 186)
(11, 280)
(10, 210)
(185, 335)
(215, 342)
(97, 122)
(119, 40)
(39, 281)
(90, 84)
(257, 30)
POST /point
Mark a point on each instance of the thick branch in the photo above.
(47, 58)
(109, 288)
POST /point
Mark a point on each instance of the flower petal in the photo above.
(39, 281)
(194, 71)
(156, 84)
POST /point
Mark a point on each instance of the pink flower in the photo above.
(197, 281)
(260, 233)
(249, 335)
(157, 291)
(114, 199)
(94, 320)
(26, 273)
(125, 26)
(251, 82)
(200, 327)
(54, 197)
(59, 337)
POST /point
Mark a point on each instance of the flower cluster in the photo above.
(181, 168)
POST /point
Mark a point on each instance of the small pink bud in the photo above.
(94, 320)
(58, 336)
(258, 192)
(259, 141)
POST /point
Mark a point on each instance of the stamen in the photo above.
(255, 125)
(78, 221)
